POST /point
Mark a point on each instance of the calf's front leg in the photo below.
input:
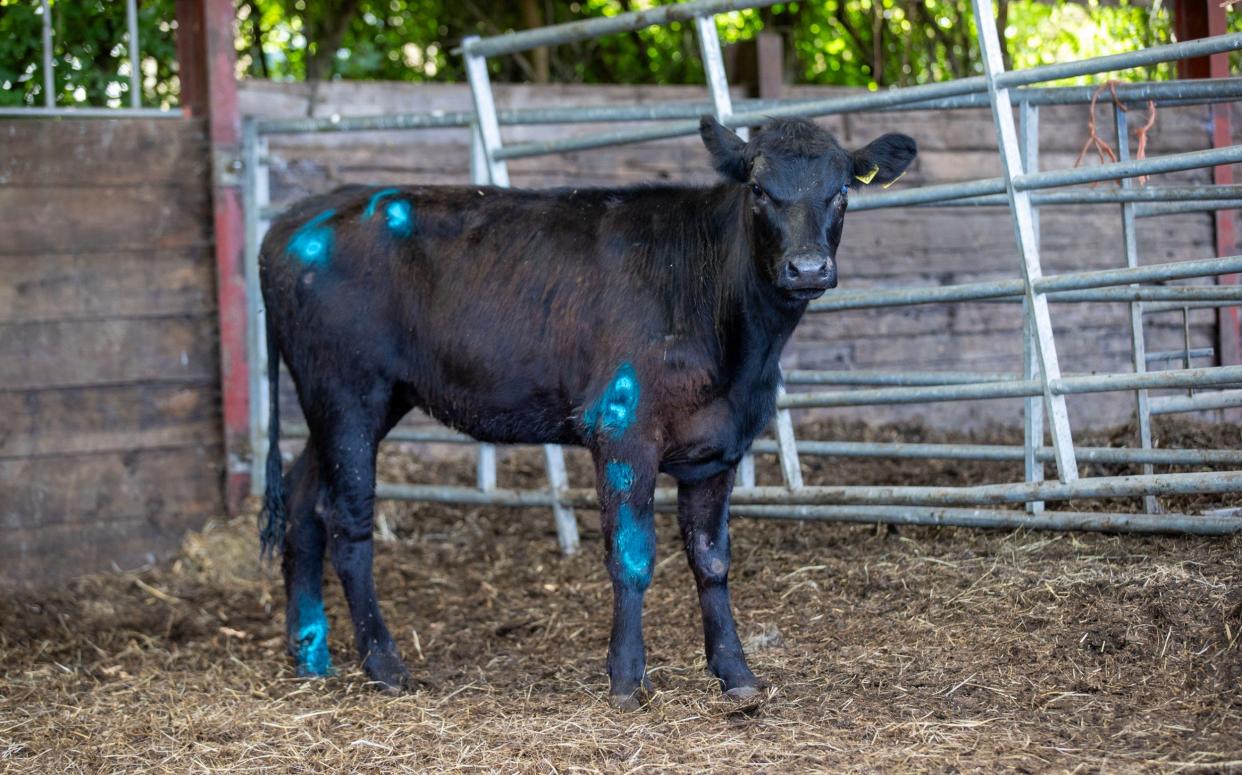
(703, 514)
(626, 484)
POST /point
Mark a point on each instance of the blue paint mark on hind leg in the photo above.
(617, 408)
(634, 549)
(313, 242)
(399, 215)
(310, 640)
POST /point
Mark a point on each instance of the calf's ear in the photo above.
(726, 148)
(884, 159)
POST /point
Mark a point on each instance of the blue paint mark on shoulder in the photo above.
(313, 242)
(634, 549)
(620, 475)
(617, 408)
(311, 645)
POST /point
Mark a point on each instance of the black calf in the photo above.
(643, 323)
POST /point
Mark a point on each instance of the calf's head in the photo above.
(797, 181)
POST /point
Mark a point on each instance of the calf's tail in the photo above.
(272, 518)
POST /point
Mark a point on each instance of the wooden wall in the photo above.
(110, 439)
(880, 249)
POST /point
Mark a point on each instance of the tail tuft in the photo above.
(272, 517)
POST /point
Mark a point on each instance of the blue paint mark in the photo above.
(634, 549)
(312, 640)
(399, 215)
(620, 475)
(313, 242)
(374, 201)
(617, 408)
(400, 218)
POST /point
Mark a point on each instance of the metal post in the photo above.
(135, 79)
(485, 465)
(746, 470)
(713, 66)
(558, 479)
(49, 74)
(485, 111)
(1129, 239)
(787, 444)
(1033, 421)
(1020, 205)
(260, 407)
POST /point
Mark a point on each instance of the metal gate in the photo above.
(1023, 187)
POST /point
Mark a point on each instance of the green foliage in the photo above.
(90, 52)
(867, 43)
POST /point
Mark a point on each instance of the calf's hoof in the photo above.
(386, 670)
(635, 699)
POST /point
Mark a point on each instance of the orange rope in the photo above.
(1102, 148)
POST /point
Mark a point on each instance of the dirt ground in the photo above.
(924, 650)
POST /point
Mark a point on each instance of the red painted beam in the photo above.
(207, 60)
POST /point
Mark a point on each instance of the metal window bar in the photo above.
(925, 505)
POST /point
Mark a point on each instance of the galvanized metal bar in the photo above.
(49, 72)
(76, 113)
(1002, 519)
(1157, 209)
(1173, 355)
(1206, 197)
(1062, 386)
(895, 378)
(558, 481)
(791, 467)
(135, 69)
(485, 115)
(1138, 345)
(1156, 307)
(714, 69)
(485, 467)
(1071, 281)
(572, 32)
(257, 355)
(1211, 483)
(1033, 414)
(746, 469)
(1008, 453)
(1185, 92)
(1223, 399)
(1028, 247)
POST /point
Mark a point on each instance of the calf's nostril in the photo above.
(791, 271)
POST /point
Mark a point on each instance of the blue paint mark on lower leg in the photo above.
(313, 242)
(617, 408)
(620, 475)
(634, 549)
(311, 644)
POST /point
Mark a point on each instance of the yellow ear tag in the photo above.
(894, 180)
(869, 176)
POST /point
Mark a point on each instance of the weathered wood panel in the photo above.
(65, 286)
(66, 219)
(109, 377)
(107, 419)
(137, 152)
(79, 353)
(97, 487)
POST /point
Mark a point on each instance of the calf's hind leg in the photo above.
(305, 622)
(346, 440)
(703, 514)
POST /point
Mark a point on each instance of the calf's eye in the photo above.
(757, 190)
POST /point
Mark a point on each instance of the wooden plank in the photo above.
(34, 557)
(66, 219)
(103, 152)
(114, 418)
(82, 353)
(157, 484)
(62, 286)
